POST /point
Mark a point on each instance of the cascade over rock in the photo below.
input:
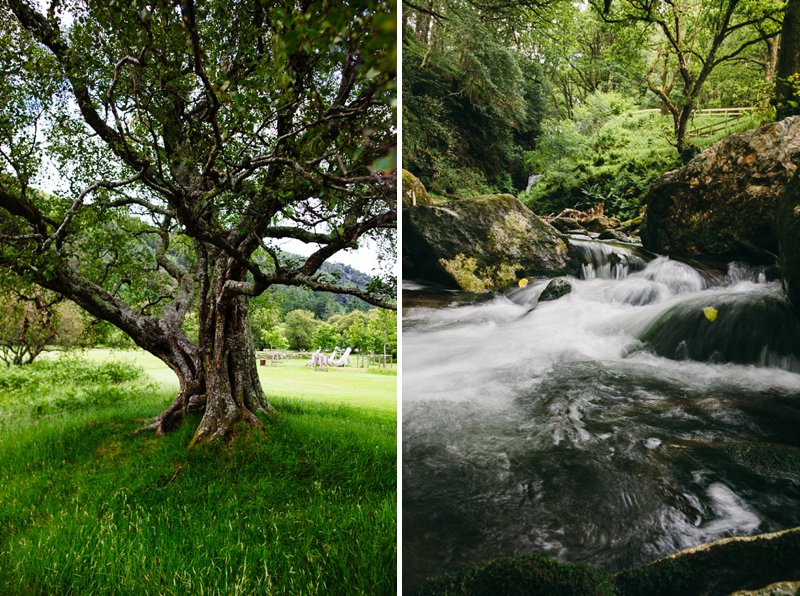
(724, 203)
(789, 239)
(480, 243)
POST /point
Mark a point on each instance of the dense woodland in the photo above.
(497, 92)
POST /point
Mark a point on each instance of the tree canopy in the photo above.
(155, 155)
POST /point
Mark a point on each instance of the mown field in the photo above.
(87, 506)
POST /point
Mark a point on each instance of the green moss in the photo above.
(508, 233)
(463, 269)
(527, 575)
(414, 192)
(504, 274)
(472, 278)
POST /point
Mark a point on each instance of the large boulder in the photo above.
(724, 203)
(789, 239)
(480, 243)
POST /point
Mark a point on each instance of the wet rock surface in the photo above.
(725, 201)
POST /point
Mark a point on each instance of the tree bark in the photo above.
(789, 63)
(183, 358)
(233, 392)
(682, 129)
(771, 67)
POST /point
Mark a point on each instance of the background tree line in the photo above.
(284, 317)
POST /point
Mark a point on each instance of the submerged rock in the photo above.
(724, 203)
(721, 567)
(752, 328)
(776, 589)
(601, 223)
(480, 243)
(528, 574)
(614, 235)
(566, 225)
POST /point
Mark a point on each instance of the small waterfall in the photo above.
(744, 272)
(607, 260)
(532, 179)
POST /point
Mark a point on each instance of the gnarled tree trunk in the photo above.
(233, 390)
(183, 358)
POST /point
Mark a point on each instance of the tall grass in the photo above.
(307, 506)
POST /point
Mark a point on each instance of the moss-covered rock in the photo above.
(527, 575)
(721, 567)
(613, 235)
(732, 327)
(776, 589)
(789, 239)
(724, 203)
(414, 191)
(566, 225)
(480, 243)
(632, 226)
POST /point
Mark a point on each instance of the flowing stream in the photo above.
(653, 408)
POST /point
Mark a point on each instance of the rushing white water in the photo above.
(557, 427)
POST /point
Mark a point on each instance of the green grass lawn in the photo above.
(308, 506)
(290, 379)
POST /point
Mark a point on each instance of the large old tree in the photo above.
(156, 152)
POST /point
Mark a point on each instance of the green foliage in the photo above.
(582, 55)
(103, 334)
(382, 331)
(31, 319)
(607, 154)
(357, 335)
(471, 105)
(326, 337)
(299, 329)
(87, 506)
(789, 101)
(275, 338)
(289, 298)
(265, 322)
(66, 384)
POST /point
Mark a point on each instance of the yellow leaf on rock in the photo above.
(523, 282)
(711, 313)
